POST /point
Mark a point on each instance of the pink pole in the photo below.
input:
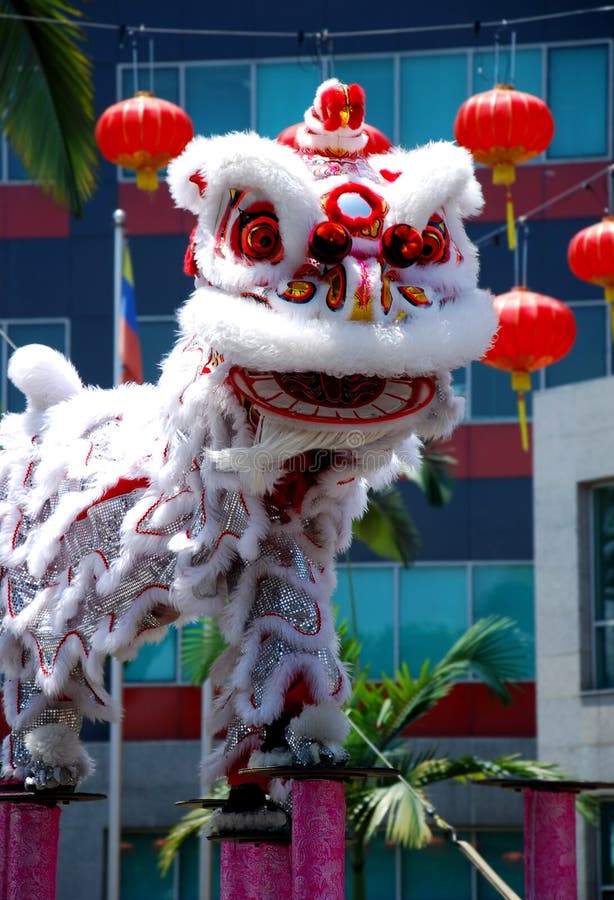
(318, 840)
(5, 835)
(274, 874)
(236, 862)
(255, 871)
(550, 845)
(29, 834)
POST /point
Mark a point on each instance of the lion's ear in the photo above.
(187, 178)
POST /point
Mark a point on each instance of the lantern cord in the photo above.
(548, 203)
(513, 57)
(525, 253)
(135, 60)
(151, 65)
(511, 221)
(374, 32)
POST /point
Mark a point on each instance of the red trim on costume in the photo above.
(122, 487)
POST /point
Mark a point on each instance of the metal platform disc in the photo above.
(553, 786)
(203, 802)
(320, 773)
(253, 837)
(47, 798)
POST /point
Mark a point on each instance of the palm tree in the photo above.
(380, 712)
(46, 97)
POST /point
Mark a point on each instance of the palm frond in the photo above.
(387, 528)
(433, 476)
(201, 644)
(349, 645)
(192, 823)
(492, 648)
(473, 768)
(399, 811)
(46, 98)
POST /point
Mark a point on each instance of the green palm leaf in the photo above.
(201, 644)
(433, 476)
(399, 811)
(387, 528)
(192, 823)
(382, 710)
(46, 98)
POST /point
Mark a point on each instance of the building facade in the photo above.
(477, 556)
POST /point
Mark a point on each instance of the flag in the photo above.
(129, 343)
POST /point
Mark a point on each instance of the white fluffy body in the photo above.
(121, 509)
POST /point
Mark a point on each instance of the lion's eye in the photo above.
(436, 242)
(401, 245)
(259, 238)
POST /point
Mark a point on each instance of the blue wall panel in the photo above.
(486, 519)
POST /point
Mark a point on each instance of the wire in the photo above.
(373, 32)
(547, 204)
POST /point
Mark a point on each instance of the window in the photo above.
(603, 585)
(141, 878)
(432, 89)
(507, 590)
(578, 92)
(218, 98)
(160, 663)
(440, 872)
(588, 358)
(376, 76)
(283, 92)
(368, 592)
(156, 662)
(434, 612)
(157, 336)
(607, 851)
(19, 332)
(411, 615)
(524, 72)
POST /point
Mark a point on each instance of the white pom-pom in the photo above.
(43, 375)
(55, 745)
(325, 723)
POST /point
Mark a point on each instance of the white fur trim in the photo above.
(43, 375)
(433, 339)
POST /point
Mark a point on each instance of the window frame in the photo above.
(470, 566)
(6, 349)
(594, 624)
(327, 64)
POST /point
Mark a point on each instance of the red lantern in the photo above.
(143, 133)
(502, 128)
(534, 331)
(591, 257)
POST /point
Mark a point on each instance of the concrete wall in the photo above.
(574, 449)
(573, 433)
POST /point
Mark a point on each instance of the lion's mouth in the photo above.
(326, 400)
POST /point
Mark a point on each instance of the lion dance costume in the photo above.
(336, 289)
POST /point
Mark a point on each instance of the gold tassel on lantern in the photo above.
(511, 221)
(521, 382)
